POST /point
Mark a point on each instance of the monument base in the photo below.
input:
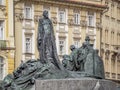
(75, 84)
(30, 88)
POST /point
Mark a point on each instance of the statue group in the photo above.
(82, 62)
(84, 59)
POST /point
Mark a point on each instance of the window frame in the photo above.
(1, 2)
(2, 68)
(91, 19)
(62, 18)
(63, 48)
(76, 19)
(78, 43)
(26, 15)
(1, 30)
(30, 47)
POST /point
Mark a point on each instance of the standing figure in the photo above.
(46, 41)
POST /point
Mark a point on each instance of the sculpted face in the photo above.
(45, 14)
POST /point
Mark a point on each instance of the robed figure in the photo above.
(46, 41)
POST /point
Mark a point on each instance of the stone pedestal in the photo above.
(30, 88)
(74, 84)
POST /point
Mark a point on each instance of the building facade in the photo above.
(110, 45)
(6, 38)
(72, 21)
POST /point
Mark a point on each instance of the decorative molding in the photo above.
(107, 46)
(118, 55)
(106, 2)
(76, 11)
(16, 0)
(54, 20)
(106, 28)
(36, 18)
(107, 53)
(114, 75)
(61, 9)
(83, 23)
(3, 9)
(19, 16)
(118, 5)
(112, 3)
(46, 7)
(70, 22)
(102, 52)
(98, 25)
(113, 56)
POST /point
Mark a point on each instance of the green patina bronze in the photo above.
(82, 62)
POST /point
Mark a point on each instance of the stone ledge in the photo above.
(75, 84)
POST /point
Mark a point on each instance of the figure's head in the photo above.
(72, 47)
(84, 44)
(45, 14)
(87, 38)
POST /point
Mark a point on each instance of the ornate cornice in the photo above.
(19, 16)
(98, 25)
(3, 9)
(80, 3)
(69, 3)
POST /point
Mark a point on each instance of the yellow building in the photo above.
(6, 38)
(110, 46)
(72, 21)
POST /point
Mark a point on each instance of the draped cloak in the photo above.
(46, 43)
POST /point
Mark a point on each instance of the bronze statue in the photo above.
(82, 62)
(46, 41)
(86, 60)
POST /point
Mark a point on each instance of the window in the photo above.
(92, 42)
(1, 2)
(106, 36)
(28, 12)
(62, 16)
(112, 37)
(61, 46)
(1, 68)
(112, 10)
(76, 18)
(91, 19)
(118, 12)
(77, 43)
(119, 39)
(1, 30)
(28, 45)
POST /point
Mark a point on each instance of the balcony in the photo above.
(4, 45)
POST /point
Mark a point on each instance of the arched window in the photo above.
(1, 68)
